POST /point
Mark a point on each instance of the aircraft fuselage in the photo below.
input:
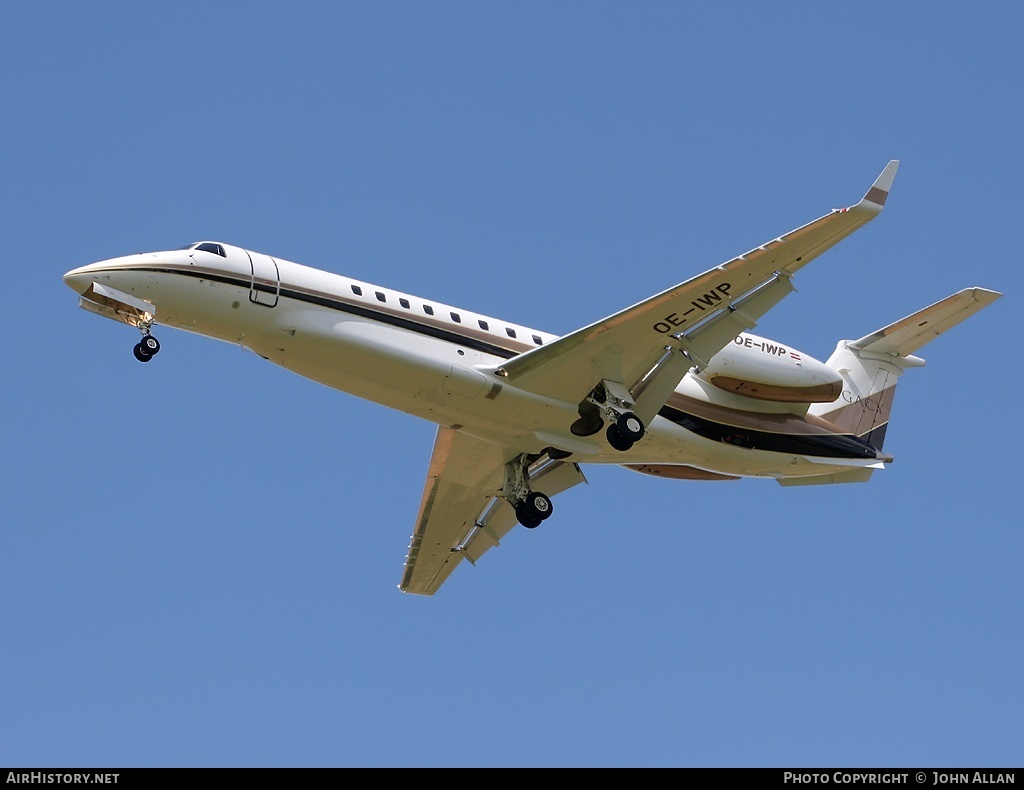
(443, 363)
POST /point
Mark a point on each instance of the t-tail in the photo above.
(871, 367)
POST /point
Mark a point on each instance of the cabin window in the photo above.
(357, 290)
(380, 296)
(404, 303)
(510, 332)
(537, 340)
(483, 324)
(208, 246)
(456, 318)
(428, 309)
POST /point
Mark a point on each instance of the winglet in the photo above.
(880, 189)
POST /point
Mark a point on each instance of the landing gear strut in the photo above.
(532, 507)
(613, 402)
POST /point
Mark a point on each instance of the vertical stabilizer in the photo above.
(871, 366)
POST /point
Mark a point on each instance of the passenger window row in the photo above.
(382, 297)
(217, 249)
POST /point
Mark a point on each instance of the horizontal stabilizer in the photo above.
(906, 336)
(871, 367)
(861, 463)
(846, 476)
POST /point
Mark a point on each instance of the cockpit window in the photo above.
(209, 246)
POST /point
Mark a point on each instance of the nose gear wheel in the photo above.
(146, 348)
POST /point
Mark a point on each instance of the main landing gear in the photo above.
(146, 348)
(610, 403)
(625, 431)
(533, 510)
(531, 507)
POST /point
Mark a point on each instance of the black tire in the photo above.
(538, 505)
(524, 518)
(150, 344)
(617, 440)
(630, 426)
(141, 354)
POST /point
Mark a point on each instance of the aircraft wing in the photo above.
(699, 317)
(462, 513)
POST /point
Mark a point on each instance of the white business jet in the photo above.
(674, 386)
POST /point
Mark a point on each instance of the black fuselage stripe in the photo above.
(834, 445)
(438, 333)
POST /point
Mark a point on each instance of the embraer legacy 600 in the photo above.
(674, 386)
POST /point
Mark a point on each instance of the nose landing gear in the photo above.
(146, 348)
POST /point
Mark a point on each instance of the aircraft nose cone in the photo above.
(78, 280)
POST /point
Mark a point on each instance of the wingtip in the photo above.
(883, 184)
(984, 295)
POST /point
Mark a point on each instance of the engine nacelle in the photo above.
(756, 367)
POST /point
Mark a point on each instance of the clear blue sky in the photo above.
(201, 555)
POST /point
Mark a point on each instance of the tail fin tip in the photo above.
(872, 365)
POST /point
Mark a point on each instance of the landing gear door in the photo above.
(266, 280)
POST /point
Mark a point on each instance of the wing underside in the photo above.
(463, 513)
